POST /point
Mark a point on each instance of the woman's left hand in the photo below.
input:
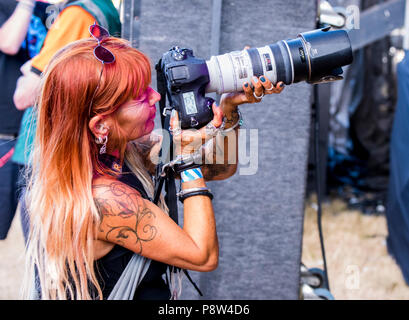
(261, 86)
(252, 93)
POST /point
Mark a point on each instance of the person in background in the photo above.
(71, 24)
(22, 31)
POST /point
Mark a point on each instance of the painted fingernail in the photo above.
(262, 79)
(173, 113)
(281, 84)
(255, 79)
(246, 84)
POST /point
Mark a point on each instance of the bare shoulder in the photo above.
(115, 198)
(126, 218)
(110, 187)
(112, 196)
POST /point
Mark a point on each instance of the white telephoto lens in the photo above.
(228, 72)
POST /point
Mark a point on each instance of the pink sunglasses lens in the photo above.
(104, 55)
(98, 32)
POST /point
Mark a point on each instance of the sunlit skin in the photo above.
(137, 117)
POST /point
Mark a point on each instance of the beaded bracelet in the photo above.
(238, 123)
(211, 130)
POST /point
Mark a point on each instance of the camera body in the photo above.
(186, 80)
(315, 56)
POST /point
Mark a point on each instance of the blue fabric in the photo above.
(35, 36)
(397, 212)
(8, 189)
(25, 139)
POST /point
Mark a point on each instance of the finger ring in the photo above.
(211, 129)
(175, 132)
(271, 88)
(258, 97)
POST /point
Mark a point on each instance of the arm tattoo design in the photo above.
(215, 170)
(232, 118)
(114, 200)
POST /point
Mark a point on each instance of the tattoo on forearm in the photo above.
(126, 205)
(232, 118)
(216, 170)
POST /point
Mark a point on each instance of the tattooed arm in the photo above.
(221, 153)
(138, 225)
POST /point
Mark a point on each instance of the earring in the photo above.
(103, 141)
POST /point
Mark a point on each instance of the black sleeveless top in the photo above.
(110, 267)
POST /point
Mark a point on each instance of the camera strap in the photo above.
(167, 179)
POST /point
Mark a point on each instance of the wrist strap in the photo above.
(179, 168)
(186, 162)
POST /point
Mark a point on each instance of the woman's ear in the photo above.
(99, 126)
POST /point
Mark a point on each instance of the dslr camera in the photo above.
(315, 57)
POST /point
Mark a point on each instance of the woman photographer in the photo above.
(90, 188)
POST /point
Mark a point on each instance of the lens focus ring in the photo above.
(255, 62)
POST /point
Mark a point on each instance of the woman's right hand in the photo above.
(189, 141)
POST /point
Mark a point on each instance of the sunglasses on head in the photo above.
(100, 52)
